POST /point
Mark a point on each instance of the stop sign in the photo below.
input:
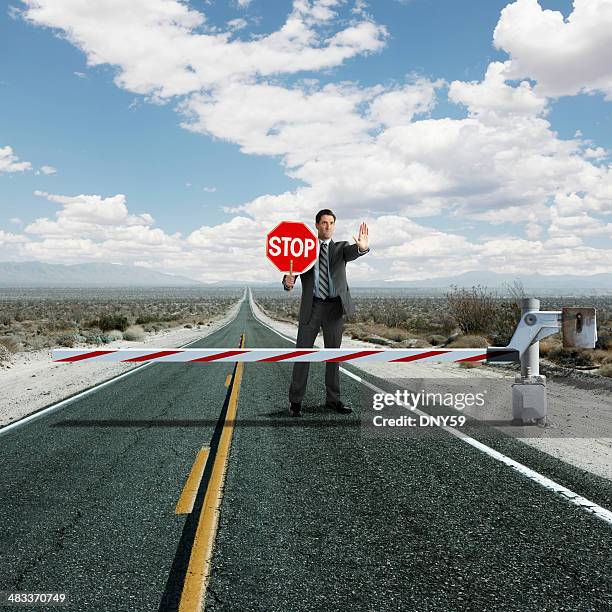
(292, 247)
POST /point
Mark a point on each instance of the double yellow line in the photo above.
(198, 571)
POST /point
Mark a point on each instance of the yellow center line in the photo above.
(190, 490)
(198, 571)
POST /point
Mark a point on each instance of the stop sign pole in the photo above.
(292, 247)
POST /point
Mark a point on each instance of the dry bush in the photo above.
(39, 342)
(11, 344)
(480, 311)
(599, 355)
(68, 340)
(570, 357)
(114, 334)
(109, 322)
(549, 344)
(473, 309)
(604, 340)
(606, 370)
(5, 355)
(469, 341)
(134, 333)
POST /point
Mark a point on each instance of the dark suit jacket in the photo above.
(339, 254)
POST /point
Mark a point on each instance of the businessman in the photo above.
(326, 300)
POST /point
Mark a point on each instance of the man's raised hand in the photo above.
(362, 240)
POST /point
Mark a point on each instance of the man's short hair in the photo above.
(325, 211)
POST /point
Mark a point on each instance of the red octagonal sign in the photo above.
(292, 247)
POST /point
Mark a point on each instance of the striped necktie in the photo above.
(323, 272)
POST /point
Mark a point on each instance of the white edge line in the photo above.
(68, 400)
(567, 494)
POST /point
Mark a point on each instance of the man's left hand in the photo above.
(362, 240)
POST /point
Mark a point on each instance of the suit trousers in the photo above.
(329, 316)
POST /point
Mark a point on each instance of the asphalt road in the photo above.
(315, 514)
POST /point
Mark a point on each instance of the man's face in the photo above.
(325, 227)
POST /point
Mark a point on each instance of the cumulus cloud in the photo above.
(9, 162)
(47, 170)
(160, 50)
(399, 106)
(366, 152)
(494, 96)
(564, 56)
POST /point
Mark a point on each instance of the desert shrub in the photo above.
(12, 345)
(504, 324)
(188, 326)
(5, 354)
(447, 324)
(549, 344)
(606, 370)
(435, 339)
(134, 333)
(473, 309)
(469, 341)
(598, 355)
(67, 340)
(108, 322)
(604, 341)
(479, 311)
(39, 342)
(144, 319)
(570, 357)
(93, 338)
(114, 334)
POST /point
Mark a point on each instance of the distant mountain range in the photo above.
(529, 281)
(36, 274)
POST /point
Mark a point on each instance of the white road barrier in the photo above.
(263, 355)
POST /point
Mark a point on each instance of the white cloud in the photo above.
(94, 228)
(365, 152)
(9, 162)
(159, 50)
(7, 238)
(84, 211)
(399, 106)
(495, 96)
(237, 24)
(47, 170)
(15, 221)
(564, 56)
(209, 189)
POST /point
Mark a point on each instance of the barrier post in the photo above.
(529, 387)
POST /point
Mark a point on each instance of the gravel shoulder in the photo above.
(579, 411)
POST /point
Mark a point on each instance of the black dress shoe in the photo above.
(296, 409)
(339, 407)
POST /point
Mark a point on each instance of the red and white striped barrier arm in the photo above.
(262, 355)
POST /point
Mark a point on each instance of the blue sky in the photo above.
(103, 138)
